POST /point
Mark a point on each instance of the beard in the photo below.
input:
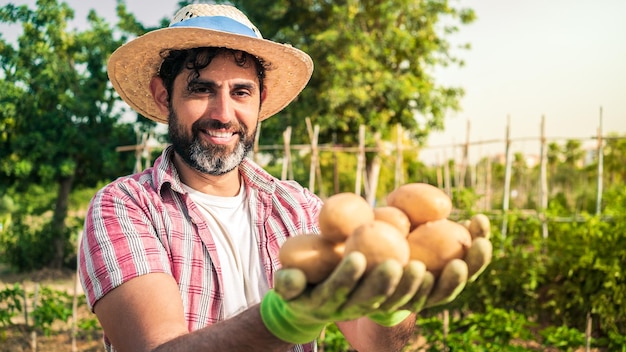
(204, 157)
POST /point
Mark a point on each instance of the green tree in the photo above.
(59, 118)
(373, 62)
(373, 65)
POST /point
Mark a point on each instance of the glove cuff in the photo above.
(280, 321)
(389, 319)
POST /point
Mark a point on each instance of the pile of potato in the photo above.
(413, 225)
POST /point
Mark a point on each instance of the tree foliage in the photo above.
(59, 116)
(374, 63)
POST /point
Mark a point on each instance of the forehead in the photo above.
(227, 66)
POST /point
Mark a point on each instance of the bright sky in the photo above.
(561, 59)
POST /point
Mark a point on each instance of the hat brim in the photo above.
(132, 66)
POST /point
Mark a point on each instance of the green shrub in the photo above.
(563, 337)
(333, 340)
(10, 304)
(495, 330)
(52, 306)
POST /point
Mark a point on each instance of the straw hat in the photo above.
(132, 66)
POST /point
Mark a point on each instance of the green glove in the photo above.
(346, 295)
(415, 282)
(388, 295)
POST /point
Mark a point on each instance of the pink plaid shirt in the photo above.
(146, 223)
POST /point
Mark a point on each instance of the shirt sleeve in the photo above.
(119, 241)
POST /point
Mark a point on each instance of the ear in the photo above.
(263, 95)
(159, 94)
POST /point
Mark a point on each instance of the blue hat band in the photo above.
(218, 23)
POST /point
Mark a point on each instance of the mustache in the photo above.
(211, 124)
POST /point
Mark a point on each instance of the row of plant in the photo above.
(43, 310)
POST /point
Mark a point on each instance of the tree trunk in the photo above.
(58, 221)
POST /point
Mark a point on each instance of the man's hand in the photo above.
(296, 313)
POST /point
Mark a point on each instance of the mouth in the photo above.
(220, 136)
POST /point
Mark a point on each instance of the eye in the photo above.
(200, 88)
(241, 93)
(243, 90)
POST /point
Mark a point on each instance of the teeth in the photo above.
(219, 134)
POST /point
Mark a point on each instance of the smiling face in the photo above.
(213, 115)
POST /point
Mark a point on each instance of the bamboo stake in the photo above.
(335, 167)
(543, 191)
(373, 174)
(33, 332)
(255, 148)
(314, 155)
(600, 168)
(399, 174)
(360, 164)
(463, 167)
(287, 170)
(446, 176)
(507, 180)
(439, 174)
(488, 185)
(74, 328)
(25, 299)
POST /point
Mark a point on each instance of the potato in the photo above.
(395, 217)
(378, 241)
(421, 202)
(316, 256)
(435, 243)
(341, 214)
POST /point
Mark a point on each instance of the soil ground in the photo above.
(19, 337)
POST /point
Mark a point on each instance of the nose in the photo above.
(222, 108)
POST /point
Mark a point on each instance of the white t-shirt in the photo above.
(243, 278)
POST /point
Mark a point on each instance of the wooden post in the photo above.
(463, 167)
(33, 332)
(543, 191)
(446, 176)
(374, 173)
(488, 191)
(313, 169)
(77, 286)
(255, 148)
(399, 173)
(360, 163)
(287, 170)
(600, 168)
(473, 176)
(335, 166)
(507, 180)
(439, 173)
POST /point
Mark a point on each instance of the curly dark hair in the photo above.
(196, 59)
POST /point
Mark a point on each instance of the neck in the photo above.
(226, 185)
